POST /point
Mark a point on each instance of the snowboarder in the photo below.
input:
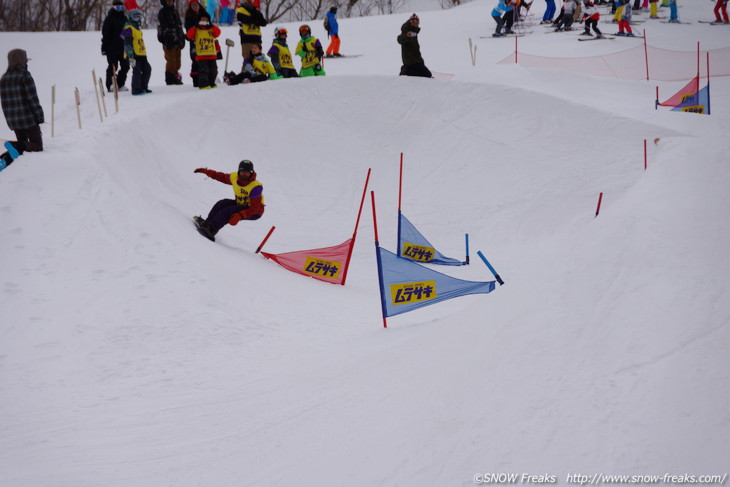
(281, 55)
(248, 204)
(172, 37)
(136, 53)
(21, 107)
(310, 50)
(410, 49)
(333, 30)
(112, 46)
(206, 56)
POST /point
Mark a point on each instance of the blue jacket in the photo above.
(332, 20)
(500, 9)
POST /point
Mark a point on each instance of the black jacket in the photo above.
(252, 17)
(409, 48)
(111, 30)
(169, 30)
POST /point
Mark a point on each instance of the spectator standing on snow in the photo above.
(192, 17)
(112, 46)
(249, 202)
(547, 18)
(137, 53)
(21, 107)
(172, 37)
(251, 20)
(410, 49)
(333, 30)
(591, 17)
(280, 55)
(206, 55)
(721, 7)
(310, 50)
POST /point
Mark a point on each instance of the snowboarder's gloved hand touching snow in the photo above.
(234, 219)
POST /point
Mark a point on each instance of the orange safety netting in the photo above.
(631, 64)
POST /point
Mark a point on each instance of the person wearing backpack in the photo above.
(333, 31)
(170, 34)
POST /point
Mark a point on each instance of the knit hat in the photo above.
(118, 2)
(135, 14)
(413, 17)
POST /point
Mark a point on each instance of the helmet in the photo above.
(245, 165)
(280, 31)
(304, 28)
(134, 15)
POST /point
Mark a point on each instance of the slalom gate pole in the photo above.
(357, 223)
(400, 194)
(598, 208)
(466, 237)
(656, 101)
(708, 82)
(646, 56)
(53, 111)
(265, 239)
(489, 266)
(515, 49)
(78, 106)
(380, 263)
(644, 154)
(103, 96)
(96, 93)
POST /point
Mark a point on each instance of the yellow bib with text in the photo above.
(243, 192)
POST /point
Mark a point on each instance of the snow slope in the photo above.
(135, 352)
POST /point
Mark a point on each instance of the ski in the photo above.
(342, 56)
(714, 22)
(596, 38)
(501, 36)
(675, 22)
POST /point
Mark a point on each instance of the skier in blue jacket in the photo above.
(333, 30)
(502, 7)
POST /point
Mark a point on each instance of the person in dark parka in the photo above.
(112, 46)
(171, 36)
(413, 64)
(21, 107)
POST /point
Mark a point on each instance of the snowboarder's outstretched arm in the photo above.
(222, 177)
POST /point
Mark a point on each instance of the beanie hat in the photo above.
(245, 165)
(135, 14)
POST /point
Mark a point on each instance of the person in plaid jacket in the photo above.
(21, 107)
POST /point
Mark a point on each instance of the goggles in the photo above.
(119, 8)
(204, 22)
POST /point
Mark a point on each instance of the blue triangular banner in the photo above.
(406, 285)
(414, 246)
(697, 103)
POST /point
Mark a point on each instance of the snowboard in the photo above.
(10, 154)
(444, 76)
(202, 230)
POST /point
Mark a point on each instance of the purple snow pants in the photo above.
(222, 211)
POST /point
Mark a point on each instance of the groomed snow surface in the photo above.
(134, 352)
